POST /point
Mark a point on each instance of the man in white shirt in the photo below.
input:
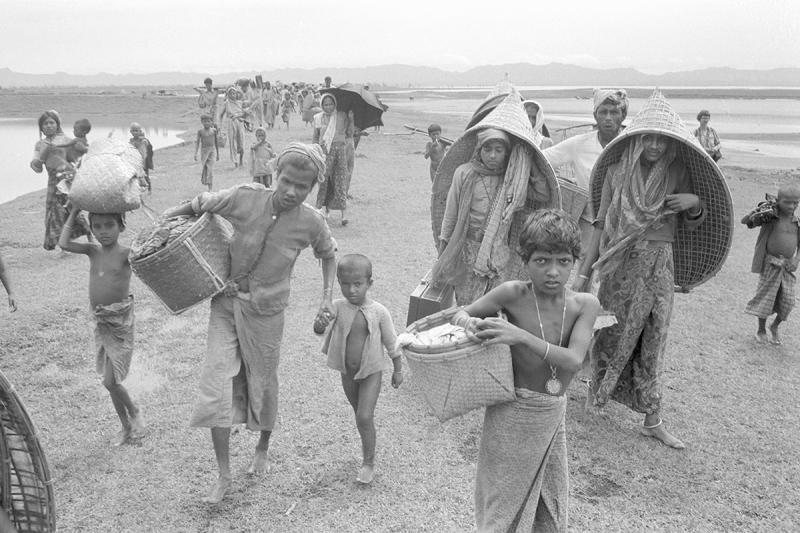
(581, 151)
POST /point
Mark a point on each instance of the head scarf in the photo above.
(330, 129)
(618, 96)
(311, 151)
(484, 136)
(538, 123)
(493, 134)
(637, 202)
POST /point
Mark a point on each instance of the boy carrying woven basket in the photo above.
(354, 345)
(112, 310)
(775, 259)
(522, 479)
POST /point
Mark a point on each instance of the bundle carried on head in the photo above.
(108, 179)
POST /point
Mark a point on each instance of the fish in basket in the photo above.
(427, 299)
(184, 260)
(26, 490)
(455, 373)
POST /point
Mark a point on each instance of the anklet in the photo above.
(660, 421)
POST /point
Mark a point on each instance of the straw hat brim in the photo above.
(700, 252)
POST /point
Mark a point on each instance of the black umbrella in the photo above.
(365, 105)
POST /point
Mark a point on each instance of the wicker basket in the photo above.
(26, 491)
(698, 253)
(460, 376)
(573, 198)
(191, 268)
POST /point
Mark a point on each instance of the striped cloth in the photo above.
(775, 291)
(113, 337)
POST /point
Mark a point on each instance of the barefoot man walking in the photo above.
(239, 381)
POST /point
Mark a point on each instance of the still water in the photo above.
(18, 137)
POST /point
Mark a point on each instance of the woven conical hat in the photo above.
(492, 100)
(508, 116)
(700, 252)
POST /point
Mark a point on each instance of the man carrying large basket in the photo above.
(239, 381)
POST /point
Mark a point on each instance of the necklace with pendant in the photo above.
(553, 385)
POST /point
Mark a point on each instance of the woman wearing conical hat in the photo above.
(505, 175)
(647, 196)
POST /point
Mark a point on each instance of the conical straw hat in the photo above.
(492, 100)
(700, 252)
(508, 116)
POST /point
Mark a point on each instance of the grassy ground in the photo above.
(729, 399)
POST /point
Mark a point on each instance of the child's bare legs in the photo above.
(773, 329)
(126, 411)
(344, 218)
(221, 439)
(761, 334)
(259, 464)
(363, 396)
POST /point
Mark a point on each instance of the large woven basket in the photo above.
(192, 268)
(458, 377)
(107, 180)
(700, 252)
(26, 491)
(510, 117)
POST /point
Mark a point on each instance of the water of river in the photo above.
(18, 137)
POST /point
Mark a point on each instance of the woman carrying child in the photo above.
(233, 110)
(51, 153)
(488, 199)
(333, 130)
(647, 196)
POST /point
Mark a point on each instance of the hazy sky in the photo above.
(213, 36)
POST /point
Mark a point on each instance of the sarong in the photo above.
(628, 357)
(775, 291)
(207, 156)
(333, 191)
(235, 138)
(113, 337)
(239, 380)
(522, 481)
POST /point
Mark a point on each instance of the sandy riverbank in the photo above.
(724, 395)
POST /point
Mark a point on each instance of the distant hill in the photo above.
(413, 76)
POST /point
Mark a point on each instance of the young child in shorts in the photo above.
(522, 477)
(112, 310)
(261, 156)
(79, 145)
(435, 148)
(5, 280)
(359, 330)
(208, 145)
(140, 142)
(776, 259)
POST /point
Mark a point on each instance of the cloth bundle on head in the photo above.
(618, 96)
(312, 151)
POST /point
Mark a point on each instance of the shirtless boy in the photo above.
(776, 259)
(112, 307)
(522, 476)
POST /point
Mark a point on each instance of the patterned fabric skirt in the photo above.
(235, 138)
(473, 285)
(628, 357)
(775, 291)
(333, 191)
(55, 214)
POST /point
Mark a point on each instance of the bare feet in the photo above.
(345, 222)
(218, 490)
(659, 432)
(761, 337)
(589, 406)
(775, 337)
(123, 437)
(137, 425)
(366, 474)
(259, 464)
